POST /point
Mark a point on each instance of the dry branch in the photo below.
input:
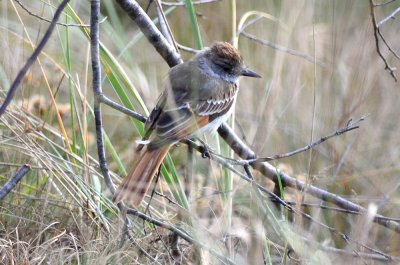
(14, 180)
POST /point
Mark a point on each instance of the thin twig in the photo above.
(338, 251)
(391, 16)
(376, 36)
(32, 58)
(385, 3)
(350, 125)
(104, 99)
(14, 180)
(48, 20)
(166, 29)
(334, 209)
(345, 237)
(282, 48)
(194, 3)
(387, 45)
(182, 234)
(187, 49)
(162, 23)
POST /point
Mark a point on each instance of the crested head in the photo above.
(224, 61)
(225, 52)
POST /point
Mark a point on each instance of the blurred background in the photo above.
(319, 68)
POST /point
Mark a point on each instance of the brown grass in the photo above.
(61, 212)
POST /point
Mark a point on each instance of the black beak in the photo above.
(250, 73)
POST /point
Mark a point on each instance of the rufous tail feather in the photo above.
(135, 185)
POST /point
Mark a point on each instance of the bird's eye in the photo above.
(225, 67)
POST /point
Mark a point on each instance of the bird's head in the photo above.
(225, 61)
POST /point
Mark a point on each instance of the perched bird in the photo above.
(198, 96)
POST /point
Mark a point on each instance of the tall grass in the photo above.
(61, 212)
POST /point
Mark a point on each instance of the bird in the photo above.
(198, 96)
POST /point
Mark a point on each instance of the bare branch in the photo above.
(14, 180)
(97, 91)
(104, 99)
(165, 28)
(350, 125)
(377, 34)
(391, 16)
(48, 20)
(187, 49)
(275, 198)
(385, 3)
(182, 234)
(349, 253)
(282, 48)
(387, 45)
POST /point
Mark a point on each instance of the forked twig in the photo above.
(350, 125)
(391, 16)
(97, 91)
(377, 34)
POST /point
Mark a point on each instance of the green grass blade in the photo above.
(198, 43)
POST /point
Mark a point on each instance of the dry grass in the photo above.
(61, 212)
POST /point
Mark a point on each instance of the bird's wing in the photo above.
(219, 102)
(178, 122)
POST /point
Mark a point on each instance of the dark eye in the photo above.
(225, 67)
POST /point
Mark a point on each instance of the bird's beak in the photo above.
(250, 73)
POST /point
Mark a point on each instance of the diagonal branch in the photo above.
(32, 58)
(350, 125)
(391, 16)
(182, 234)
(14, 180)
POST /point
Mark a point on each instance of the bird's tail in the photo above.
(135, 185)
